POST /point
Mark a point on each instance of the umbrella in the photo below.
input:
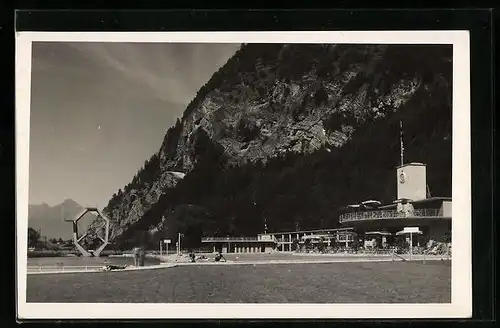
(410, 231)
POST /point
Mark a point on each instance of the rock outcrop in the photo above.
(272, 100)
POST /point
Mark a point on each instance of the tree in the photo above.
(447, 237)
(297, 223)
(320, 96)
(33, 237)
(192, 237)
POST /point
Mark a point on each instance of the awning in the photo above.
(402, 200)
(345, 233)
(409, 230)
(316, 236)
(371, 203)
(381, 233)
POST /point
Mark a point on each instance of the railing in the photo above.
(390, 214)
(229, 239)
(439, 250)
(56, 268)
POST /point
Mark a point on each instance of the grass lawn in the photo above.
(368, 282)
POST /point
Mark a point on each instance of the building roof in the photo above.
(431, 199)
(420, 201)
(305, 231)
(411, 164)
(388, 206)
(234, 240)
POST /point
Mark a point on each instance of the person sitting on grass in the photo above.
(219, 257)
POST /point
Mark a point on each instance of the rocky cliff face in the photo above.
(127, 207)
(258, 113)
(273, 100)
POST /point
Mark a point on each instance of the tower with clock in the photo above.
(412, 181)
(411, 177)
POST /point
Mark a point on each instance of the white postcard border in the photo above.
(461, 301)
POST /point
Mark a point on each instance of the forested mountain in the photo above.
(291, 133)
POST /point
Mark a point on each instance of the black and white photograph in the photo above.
(252, 175)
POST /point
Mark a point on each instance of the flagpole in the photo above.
(401, 141)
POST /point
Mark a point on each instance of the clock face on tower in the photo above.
(402, 177)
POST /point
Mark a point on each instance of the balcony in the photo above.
(229, 239)
(387, 215)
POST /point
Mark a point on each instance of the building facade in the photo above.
(259, 244)
(413, 208)
(369, 224)
(279, 241)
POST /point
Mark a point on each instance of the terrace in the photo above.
(230, 239)
(390, 214)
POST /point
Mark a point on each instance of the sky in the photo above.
(99, 110)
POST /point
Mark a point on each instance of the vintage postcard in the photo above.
(243, 175)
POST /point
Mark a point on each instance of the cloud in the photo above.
(159, 69)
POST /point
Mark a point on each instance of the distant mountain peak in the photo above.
(70, 202)
(50, 219)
